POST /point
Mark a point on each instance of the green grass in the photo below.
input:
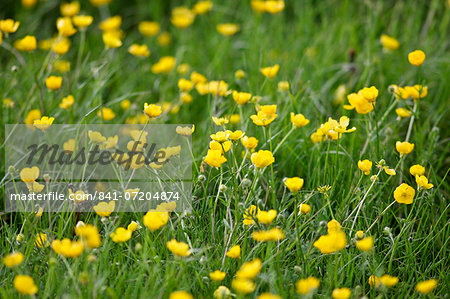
(411, 241)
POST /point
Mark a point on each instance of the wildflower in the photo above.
(422, 182)
(110, 24)
(249, 142)
(164, 39)
(306, 285)
(339, 94)
(243, 285)
(41, 240)
(416, 170)
(263, 119)
(268, 295)
(365, 244)
(358, 102)
(304, 208)
(370, 93)
(61, 47)
(8, 103)
(217, 88)
(164, 66)
(182, 17)
(24, 284)
(13, 259)
(62, 66)
(236, 135)
(9, 26)
(154, 220)
(374, 281)
(222, 292)
(183, 68)
(28, 43)
(105, 209)
(342, 293)
(324, 189)
(234, 252)
(147, 28)
(133, 226)
(180, 249)
(106, 113)
(53, 82)
(44, 123)
(404, 194)
(29, 175)
(388, 281)
(298, 120)
(262, 158)
(389, 43)
(89, 234)
(404, 148)
(270, 71)
(365, 166)
(35, 187)
(416, 57)
(185, 85)
(258, 5)
(402, 112)
(274, 6)
(121, 235)
(214, 158)
(416, 92)
(239, 74)
(68, 248)
(250, 214)
(249, 269)
(359, 235)
(180, 295)
(185, 131)
(241, 98)
(217, 275)
(274, 234)
(70, 9)
(202, 7)
(139, 50)
(426, 286)
(294, 184)
(228, 29)
(389, 171)
(333, 226)
(266, 217)
(82, 21)
(152, 110)
(65, 26)
(332, 242)
(111, 40)
(96, 136)
(186, 98)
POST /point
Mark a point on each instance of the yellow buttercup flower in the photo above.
(268, 295)
(180, 295)
(263, 119)
(62, 66)
(333, 226)
(180, 249)
(185, 85)
(29, 175)
(35, 187)
(417, 170)
(221, 136)
(243, 285)
(25, 285)
(106, 113)
(111, 24)
(44, 123)
(70, 9)
(266, 217)
(61, 47)
(147, 28)
(389, 171)
(152, 110)
(365, 166)
(82, 21)
(220, 121)
(234, 252)
(223, 147)
(182, 17)
(298, 120)
(262, 158)
(185, 131)
(358, 102)
(404, 194)
(65, 26)
(41, 240)
(28, 43)
(388, 281)
(164, 66)
(202, 7)
(404, 148)
(258, 5)
(239, 75)
(249, 142)
(403, 113)
(294, 184)
(389, 43)
(228, 29)
(274, 6)
(342, 293)
(121, 235)
(198, 78)
(53, 82)
(426, 286)
(68, 248)
(9, 26)
(304, 208)
(332, 242)
(370, 93)
(217, 275)
(270, 71)
(13, 259)
(111, 40)
(235, 135)
(416, 57)
(422, 182)
(133, 226)
(274, 234)
(365, 244)
(139, 50)
(215, 158)
(67, 102)
(154, 220)
(374, 281)
(89, 235)
(164, 39)
(283, 86)
(306, 285)
(241, 98)
(416, 91)
(249, 269)
(105, 209)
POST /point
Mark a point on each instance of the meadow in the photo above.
(320, 146)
